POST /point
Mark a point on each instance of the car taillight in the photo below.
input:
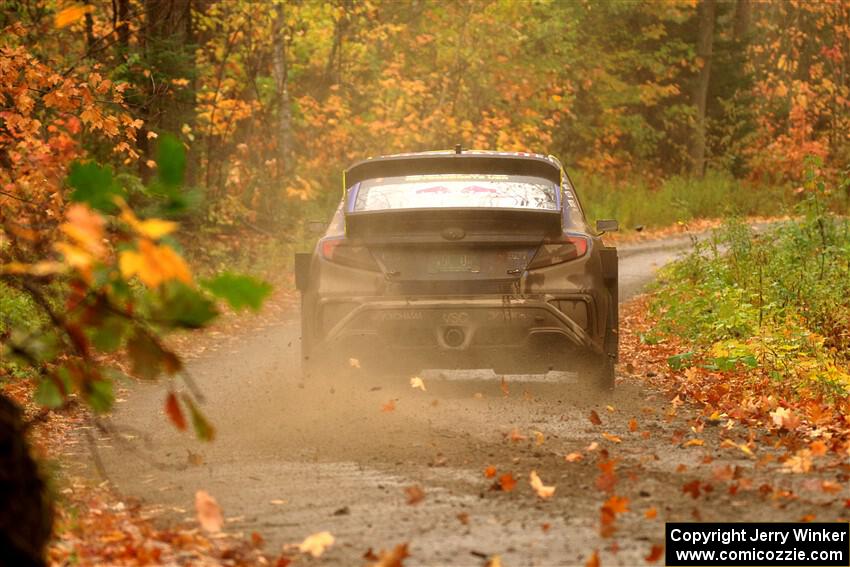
(568, 247)
(339, 251)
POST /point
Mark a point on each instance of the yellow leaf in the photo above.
(694, 443)
(574, 457)
(153, 264)
(156, 228)
(539, 438)
(542, 491)
(612, 438)
(416, 382)
(316, 544)
(72, 14)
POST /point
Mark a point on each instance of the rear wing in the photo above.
(463, 163)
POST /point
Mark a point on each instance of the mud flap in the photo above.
(610, 275)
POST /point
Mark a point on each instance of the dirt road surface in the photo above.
(289, 461)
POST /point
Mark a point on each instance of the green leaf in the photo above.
(107, 336)
(187, 307)
(94, 185)
(170, 160)
(100, 395)
(239, 291)
(49, 392)
(146, 356)
(680, 361)
(203, 428)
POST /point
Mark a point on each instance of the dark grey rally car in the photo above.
(463, 259)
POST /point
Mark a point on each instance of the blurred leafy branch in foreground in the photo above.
(108, 282)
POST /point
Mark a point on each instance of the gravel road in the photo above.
(291, 460)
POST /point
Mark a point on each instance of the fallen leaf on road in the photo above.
(818, 448)
(277, 502)
(592, 447)
(573, 457)
(354, 363)
(316, 544)
(257, 540)
(515, 436)
(504, 387)
(654, 554)
(539, 438)
(610, 409)
(392, 558)
(617, 504)
(415, 494)
(416, 382)
(594, 418)
(463, 518)
(388, 407)
(593, 561)
(830, 486)
(544, 492)
(651, 513)
(633, 425)
(808, 518)
(495, 561)
(507, 482)
(490, 471)
(208, 511)
(785, 418)
(692, 488)
(694, 443)
(612, 438)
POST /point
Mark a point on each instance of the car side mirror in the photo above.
(316, 227)
(607, 225)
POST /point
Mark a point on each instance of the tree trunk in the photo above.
(706, 11)
(743, 15)
(284, 113)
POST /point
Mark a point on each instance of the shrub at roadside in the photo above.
(761, 321)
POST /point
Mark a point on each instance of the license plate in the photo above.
(442, 263)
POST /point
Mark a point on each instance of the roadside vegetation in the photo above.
(760, 319)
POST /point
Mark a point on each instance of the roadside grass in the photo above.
(762, 321)
(638, 202)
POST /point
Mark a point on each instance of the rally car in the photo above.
(459, 259)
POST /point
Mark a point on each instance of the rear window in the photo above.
(456, 191)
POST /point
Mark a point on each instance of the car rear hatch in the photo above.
(453, 251)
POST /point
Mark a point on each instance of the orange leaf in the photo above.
(208, 512)
(654, 554)
(490, 471)
(651, 513)
(415, 494)
(593, 561)
(633, 425)
(594, 418)
(72, 14)
(692, 488)
(818, 448)
(573, 457)
(612, 438)
(507, 482)
(694, 443)
(617, 504)
(175, 414)
(388, 407)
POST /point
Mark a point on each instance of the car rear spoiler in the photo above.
(429, 164)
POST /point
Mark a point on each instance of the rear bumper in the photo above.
(458, 331)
